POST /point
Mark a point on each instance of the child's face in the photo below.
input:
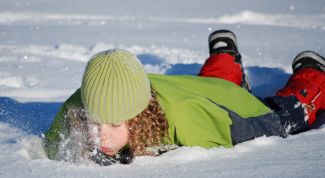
(112, 137)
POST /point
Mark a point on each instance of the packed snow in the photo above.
(45, 45)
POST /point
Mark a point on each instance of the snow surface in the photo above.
(44, 47)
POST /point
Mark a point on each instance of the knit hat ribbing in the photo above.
(114, 87)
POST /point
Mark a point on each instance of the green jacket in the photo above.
(201, 111)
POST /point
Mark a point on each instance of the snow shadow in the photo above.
(265, 81)
(33, 117)
(184, 69)
(150, 59)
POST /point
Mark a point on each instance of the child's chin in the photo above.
(108, 151)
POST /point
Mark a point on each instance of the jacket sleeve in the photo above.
(60, 127)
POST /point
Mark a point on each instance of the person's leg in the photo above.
(225, 60)
(303, 97)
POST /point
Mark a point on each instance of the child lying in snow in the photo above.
(120, 111)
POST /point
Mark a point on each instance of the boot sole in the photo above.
(308, 59)
(223, 34)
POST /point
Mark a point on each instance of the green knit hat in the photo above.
(114, 87)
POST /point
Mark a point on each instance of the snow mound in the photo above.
(61, 67)
(285, 20)
(37, 94)
(12, 82)
(66, 19)
(281, 157)
(244, 17)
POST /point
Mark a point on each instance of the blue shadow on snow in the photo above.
(265, 81)
(32, 117)
(150, 59)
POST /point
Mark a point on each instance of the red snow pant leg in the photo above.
(308, 86)
(222, 66)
